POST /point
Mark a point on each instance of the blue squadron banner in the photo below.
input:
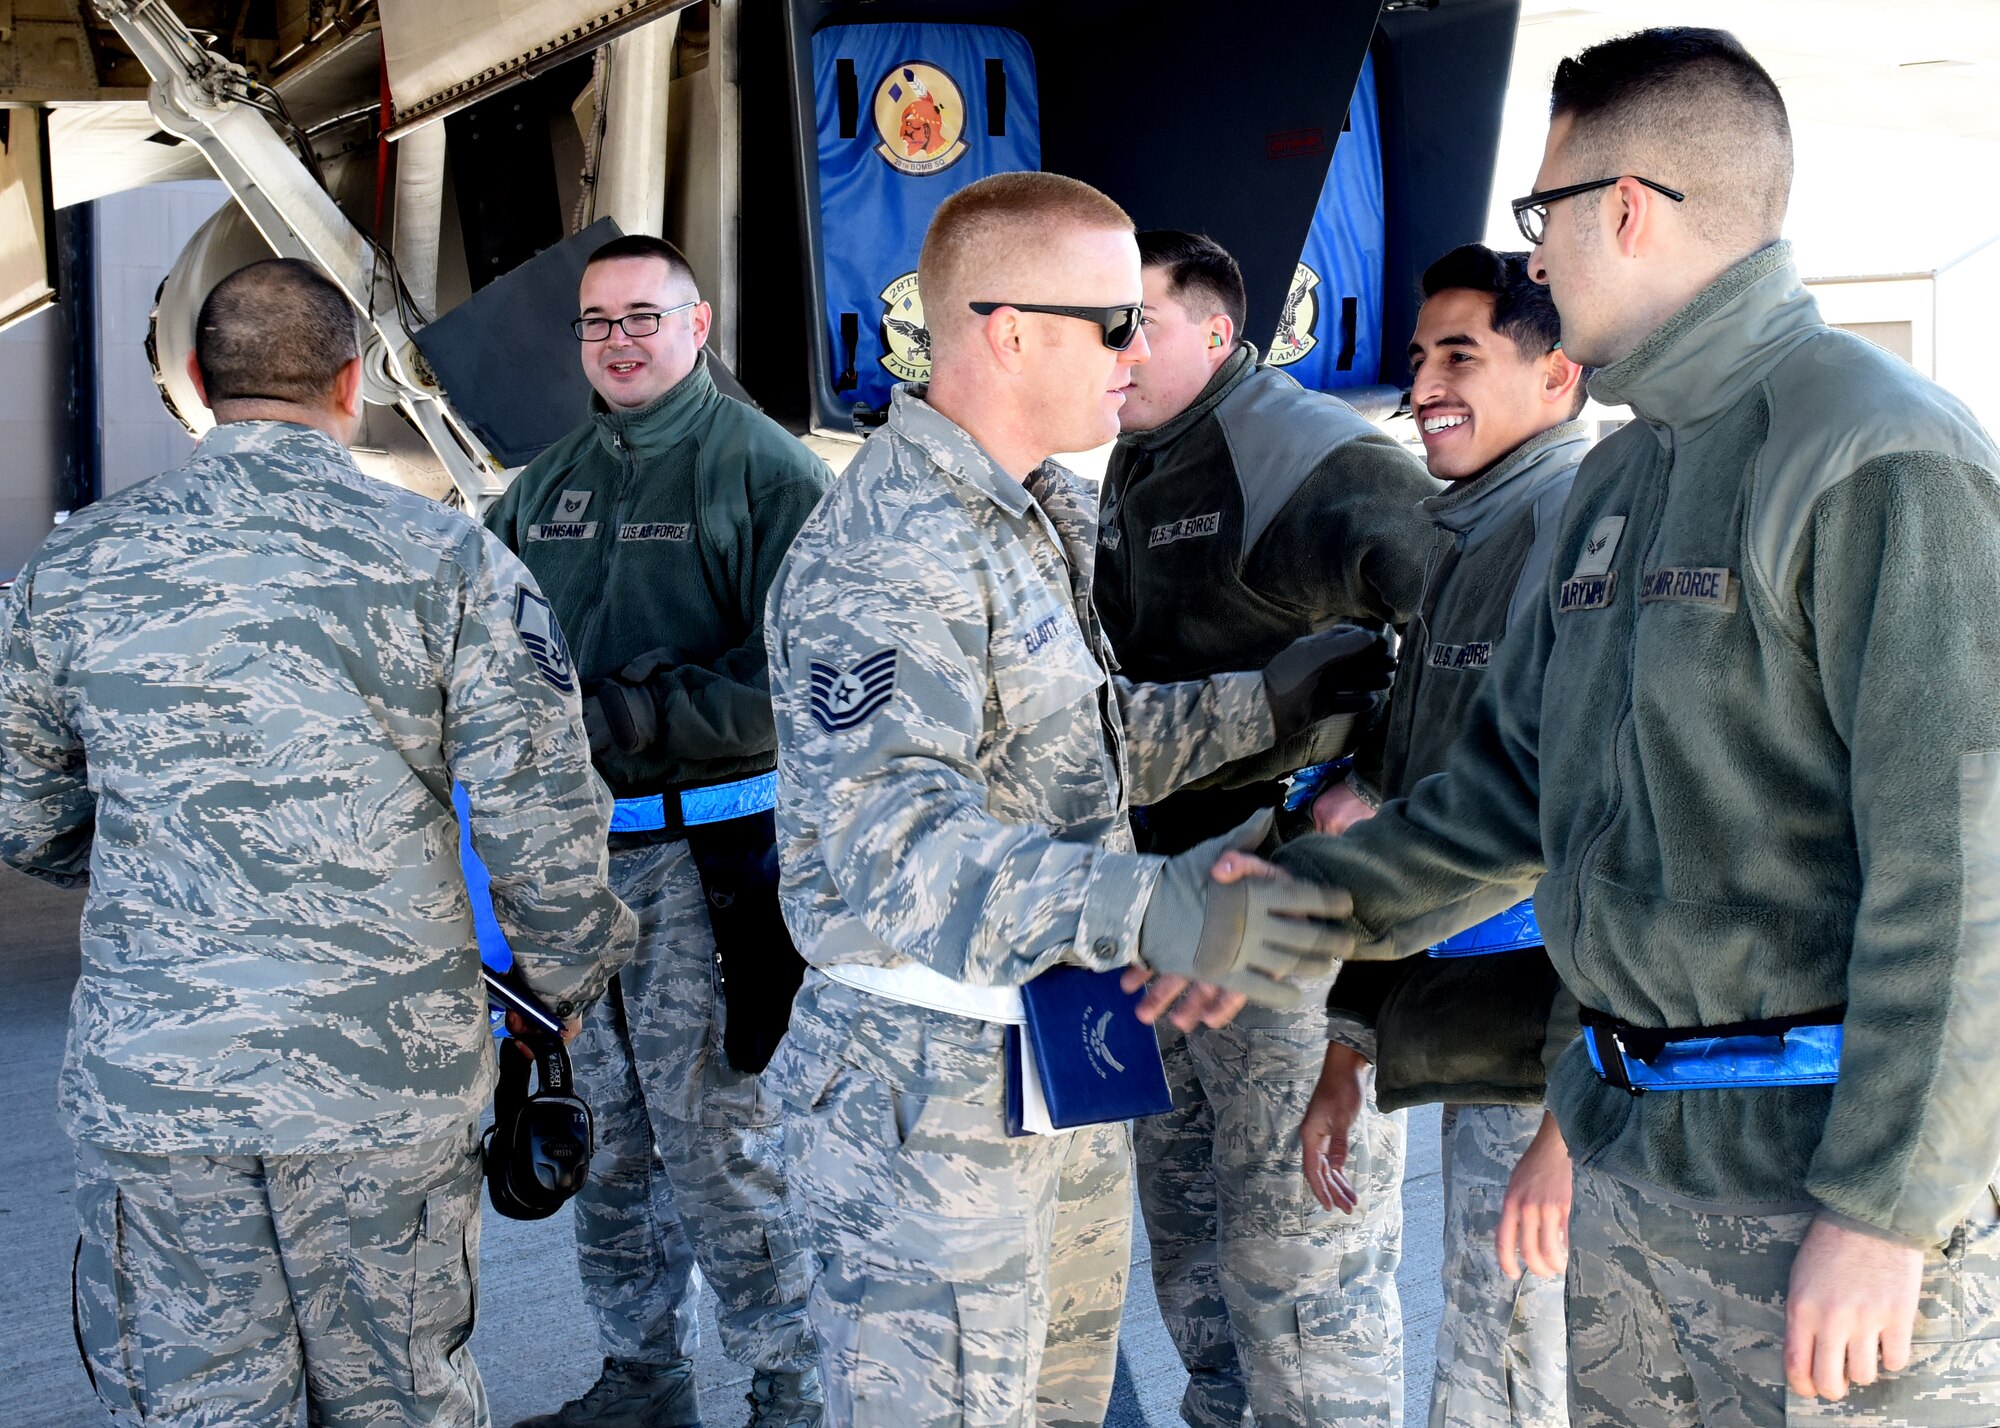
(1330, 331)
(907, 116)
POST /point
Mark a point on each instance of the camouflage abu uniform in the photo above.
(1288, 511)
(955, 769)
(235, 699)
(656, 532)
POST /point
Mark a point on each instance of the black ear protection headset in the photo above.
(537, 1152)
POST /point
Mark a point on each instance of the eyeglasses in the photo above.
(1120, 324)
(1531, 214)
(632, 324)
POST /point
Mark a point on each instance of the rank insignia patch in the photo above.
(544, 638)
(842, 698)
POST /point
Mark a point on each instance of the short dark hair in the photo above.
(1694, 104)
(277, 330)
(645, 245)
(1522, 307)
(1199, 271)
(1523, 310)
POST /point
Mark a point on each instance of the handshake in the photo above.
(1260, 936)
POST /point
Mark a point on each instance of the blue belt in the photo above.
(717, 803)
(1804, 1054)
(1310, 782)
(1507, 931)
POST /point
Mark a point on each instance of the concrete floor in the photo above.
(534, 1344)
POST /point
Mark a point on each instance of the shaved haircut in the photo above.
(278, 330)
(982, 235)
(645, 245)
(1688, 108)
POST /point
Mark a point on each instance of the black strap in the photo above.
(1647, 1042)
(848, 96)
(1350, 315)
(850, 341)
(996, 97)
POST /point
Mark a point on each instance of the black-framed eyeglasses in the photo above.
(1120, 323)
(632, 324)
(1531, 214)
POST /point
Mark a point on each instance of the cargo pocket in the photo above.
(901, 1351)
(1351, 1356)
(102, 1311)
(444, 1301)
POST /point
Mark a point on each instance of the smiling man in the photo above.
(1747, 753)
(957, 764)
(1496, 401)
(1241, 511)
(656, 528)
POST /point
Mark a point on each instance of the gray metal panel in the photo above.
(506, 357)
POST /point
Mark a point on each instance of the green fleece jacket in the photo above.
(1750, 746)
(655, 534)
(1261, 513)
(1463, 1029)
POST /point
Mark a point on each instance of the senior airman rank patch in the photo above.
(842, 698)
(543, 638)
(1707, 585)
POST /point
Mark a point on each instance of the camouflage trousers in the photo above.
(965, 1277)
(688, 1149)
(1278, 1307)
(1501, 1357)
(211, 1290)
(1677, 1320)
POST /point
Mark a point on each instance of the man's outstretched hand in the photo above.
(1265, 939)
(1850, 1310)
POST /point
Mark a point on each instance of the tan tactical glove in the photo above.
(1267, 938)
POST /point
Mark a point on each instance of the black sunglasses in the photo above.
(1120, 324)
(1531, 214)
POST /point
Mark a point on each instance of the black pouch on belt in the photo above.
(738, 863)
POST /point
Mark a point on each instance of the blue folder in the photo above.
(1083, 1057)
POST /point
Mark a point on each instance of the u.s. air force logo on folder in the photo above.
(842, 698)
(543, 638)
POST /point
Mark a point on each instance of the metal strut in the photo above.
(216, 106)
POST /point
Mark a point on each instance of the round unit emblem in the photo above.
(920, 114)
(906, 342)
(1296, 324)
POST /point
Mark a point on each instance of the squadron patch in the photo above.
(906, 342)
(543, 638)
(1298, 323)
(1188, 529)
(842, 698)
(1706, 585)
(920, 114)
(1475, 654)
